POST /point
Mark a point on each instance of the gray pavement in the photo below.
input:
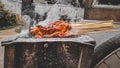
(102, 37)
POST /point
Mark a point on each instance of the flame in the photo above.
(57, 28)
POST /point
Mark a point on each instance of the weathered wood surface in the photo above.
(9, 56)
(86, 56)
(49, 55)
(102, 14)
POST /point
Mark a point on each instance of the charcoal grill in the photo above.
(48, 52)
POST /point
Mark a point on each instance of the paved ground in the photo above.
(8, 32)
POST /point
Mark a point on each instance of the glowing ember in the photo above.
(58, 28)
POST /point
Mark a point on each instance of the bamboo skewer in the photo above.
(85, 28)
(95, 32)
(93, 25)
(104, 31)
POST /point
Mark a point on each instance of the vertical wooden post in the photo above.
(86, 56)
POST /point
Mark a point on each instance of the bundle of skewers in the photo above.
(94, 27)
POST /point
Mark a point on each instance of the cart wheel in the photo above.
(104, 51)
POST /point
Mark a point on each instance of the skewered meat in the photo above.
(57, 28)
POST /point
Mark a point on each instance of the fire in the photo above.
(57, 28)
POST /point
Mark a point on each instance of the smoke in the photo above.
(54, 12)
(26, 26)
(51, 13)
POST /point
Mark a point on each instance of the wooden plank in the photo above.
(86, 57)
(113, 61)
(9, 56)
(102, 14)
